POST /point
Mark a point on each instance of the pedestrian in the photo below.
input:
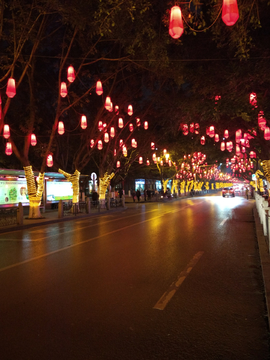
(133, 194)
(247, 193)
(95, 197)
(149, 194)
(138, 194)
(120, 193)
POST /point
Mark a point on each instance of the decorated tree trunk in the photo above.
(103, 185)
(174, 186)
(34, 193)
(164, 184)
(74, 179)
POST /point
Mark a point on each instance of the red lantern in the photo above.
(145, 125)
(133, 143)
(147, 162)
(252, 155)
(118, 164)
(11, 88)
(63, 89)
(114, 152)
(124, 150)
(92, 143)
(237, 150)
(70, 74)
(100, 125)
(116, 109)
(230, 13)
(8, 150)
(33, 140)
(176, 27)
(267, 133)
(140, 160)
(152, 146)
(191, 128)
(226, 134)
(130, 110)
(61, 128)
(253, 99)
(138, 121)
(112, 132)
(99, 89)
(100, 145)
(106, 137)
(261, 120)
(203, 140)
(121, 142)
(50, 160)
(6, 132)
(216, 138)
(211, 131)
(83, 122)
(120, 123)
(108, 103)
(197, 128)
(130, 127)
(238, 135)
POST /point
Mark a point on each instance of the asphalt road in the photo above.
(175, 280)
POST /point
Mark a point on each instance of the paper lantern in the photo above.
(63, 89)
(140, 160)
(211, 131)
(92, 143)
(197, 128)
(116, 109)
(145, 125)
(11, 88)
(238, 135)
(100, 145)
(61, 128)
(120, 123)
(99, 88)
(176, 27)
(130, 110)
(8, 150)
(152, 146)
(100, 125)
(138, 121)
(237, 149)
(121, 142)
(6, 131)
(253, 99)
(230, 13)
(216, 138)
(112, 132)
(106, 137)
(130, 127)
(83, 122)
(267, 133)
(161, 162)
(70, 74)
(252, 154)
(50, 160)
(222, 146)
(124, 150)
(114, 152)
(261, 120)
(226, 134)
(191, 128)
(33, 140)
(108, 103)
(118, 164)
(147, 162)
(203, 140)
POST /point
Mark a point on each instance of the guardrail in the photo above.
(8, 216)
(263, 210)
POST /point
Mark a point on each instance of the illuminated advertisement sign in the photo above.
(59, 190)
(13, 191)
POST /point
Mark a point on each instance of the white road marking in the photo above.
(166, 297)
(223, 221)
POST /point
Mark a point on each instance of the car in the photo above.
(228, 191)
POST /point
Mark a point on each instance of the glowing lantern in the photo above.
(222, 146)
(138, 121)
(100, 145)
(191, 128)
(154, 157)
(230, 13)
(216, 138)
(140, 160)
(114, 152)
(6, 132)
(253, 99)
(197, 128)
(108, 103)
(238, 135)
(145, 125)
(130, 127)
(267, 133)
(110, 109)
(121, 142)
(152, 146)
(120, 123)
(124, 150)
(83, 122)
(112, 132)
(176, 27)
(261, 120)
(133, 143)
(99, 88)
(100, 126)
(63, 89)
(8, 150)
(11, 88)
(147, 162)
(61, 128)
(70, 74)
(33, 140)
(203, 140)
(252, 155)
(49, 160)
(211, 132)
(226, 134)
(130, 110)
(116, 109)
(118, 164)
(92, 143)
(237, 150)
(106, 137)
(243, 149)
(161, 163)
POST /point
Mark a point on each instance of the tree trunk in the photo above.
(34, 194)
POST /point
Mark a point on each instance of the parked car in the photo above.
(229, 191)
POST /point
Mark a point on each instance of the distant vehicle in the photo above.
(229, 191)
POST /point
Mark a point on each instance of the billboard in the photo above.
(59, 190)
(13, 192)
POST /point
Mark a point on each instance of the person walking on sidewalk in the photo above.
(247, 193)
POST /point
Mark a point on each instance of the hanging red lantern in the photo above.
(63, 89)
(112, 132)
(108, 103)
(138, 121)
(176, 27)
(100, 125)
(99, 88)
(203, 140)
(230, 13)
(70, 74)
(140, 160)
(238, 135)
(8, 150)
(116, 109)
(130, 110)
(243, 149)
(216, 138)
(253, 99)
(211, 131)
(120, 123)
(226, 134)
(191, 128)
(152, 146)
(33, 140)
(92, 143)
(106, 137)
(118, 164)
(121, 142)
(261, 120)
(11, 88)
(124, 150)
(145, 125)
(237, 149)
(130, 127)
(6, 131)
(197, 128)
(100, 145)
(50, 160)
(252, 154)
(83, 122)
(267, 133)
(147, 162)
(61, 128)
